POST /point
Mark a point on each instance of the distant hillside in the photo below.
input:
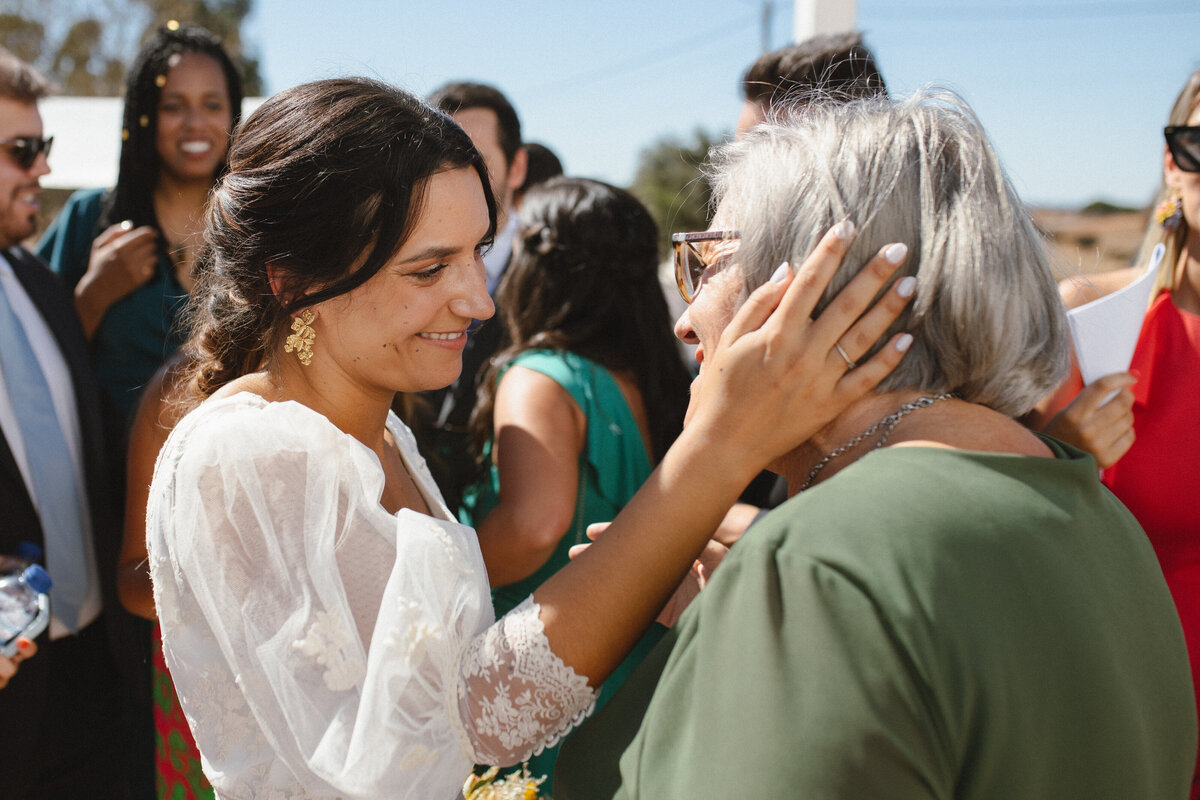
(1097, 238)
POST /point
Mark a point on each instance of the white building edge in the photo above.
(87, 139)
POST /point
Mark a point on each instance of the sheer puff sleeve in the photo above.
(321, 646)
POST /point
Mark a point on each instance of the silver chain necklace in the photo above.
(887, 425)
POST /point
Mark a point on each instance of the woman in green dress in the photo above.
(585, 400)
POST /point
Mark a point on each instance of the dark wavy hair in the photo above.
(584, 279)
(325, 183)
(133, 196)
(463, 95)
(834, 66)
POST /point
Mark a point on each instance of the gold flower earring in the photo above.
(302, 338)
(1170, 211)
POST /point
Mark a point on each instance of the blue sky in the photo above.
(1073, 92)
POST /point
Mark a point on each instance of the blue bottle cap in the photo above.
(29, 552)
(37, 578)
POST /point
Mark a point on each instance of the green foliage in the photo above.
(1100, 208)
(670, 183)
(86, 45)
(22, 36)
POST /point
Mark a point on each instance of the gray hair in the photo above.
(986, 321)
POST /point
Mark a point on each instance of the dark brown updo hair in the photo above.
(584, 279)
(325, 182)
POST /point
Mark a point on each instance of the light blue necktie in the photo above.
(50, 468)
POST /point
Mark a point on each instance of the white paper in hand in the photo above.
(1105, 331)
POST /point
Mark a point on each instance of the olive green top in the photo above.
(927, 624)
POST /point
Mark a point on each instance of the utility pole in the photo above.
(814, 17)
(768, 13)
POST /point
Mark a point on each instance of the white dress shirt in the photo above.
(496, 259)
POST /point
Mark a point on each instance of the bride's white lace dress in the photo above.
(320, 646)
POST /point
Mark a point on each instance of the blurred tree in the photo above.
(22, 36)
(86, 45)
(670, 183)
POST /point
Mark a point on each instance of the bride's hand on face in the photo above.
(776, 376)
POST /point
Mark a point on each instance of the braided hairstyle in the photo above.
(325, 182)
(584, 279)
(133, 196)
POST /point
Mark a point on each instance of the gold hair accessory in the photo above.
(302, 339)
(1169, 212)
(160, 81)
(172, 24)
(143, 120)
(124, 134)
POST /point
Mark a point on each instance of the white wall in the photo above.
(813, 17)
(87, 139)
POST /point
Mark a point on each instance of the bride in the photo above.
(327, 623)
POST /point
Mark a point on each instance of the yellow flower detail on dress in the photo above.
(513, 786)
(301, 341)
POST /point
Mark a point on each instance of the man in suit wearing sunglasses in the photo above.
(66, 707)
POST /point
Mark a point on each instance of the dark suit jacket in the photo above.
(24, 701)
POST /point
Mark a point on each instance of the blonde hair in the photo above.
(987, 321)
(1173, 240)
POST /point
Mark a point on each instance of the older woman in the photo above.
(949, 605)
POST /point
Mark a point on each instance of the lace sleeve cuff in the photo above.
(515, 696)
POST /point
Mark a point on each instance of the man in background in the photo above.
(835, 66)
(490, 120)
(66, 712)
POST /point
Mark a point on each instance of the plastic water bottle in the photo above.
(27, 553)
(24, 606)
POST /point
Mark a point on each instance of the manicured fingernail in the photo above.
(896, 253)
(904, 342)
(844, 229)
(24, 645)
(906, 285)
(127, 225)
(1136, 373)
(780, 273)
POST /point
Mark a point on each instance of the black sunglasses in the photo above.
(1184, 144)
(25, 149)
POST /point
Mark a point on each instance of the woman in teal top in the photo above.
(586, 398)
(612, 465)
(128, 254)
(137, 333)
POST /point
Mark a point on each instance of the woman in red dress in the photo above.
(1147, 438)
